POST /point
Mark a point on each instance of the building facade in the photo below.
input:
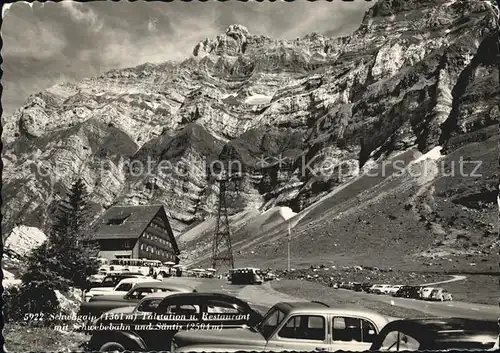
(138, 232)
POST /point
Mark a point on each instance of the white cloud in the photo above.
(24, 37)
(87, 16)
(5, 8)
(152, 24)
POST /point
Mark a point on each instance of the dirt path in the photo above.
(454, 279)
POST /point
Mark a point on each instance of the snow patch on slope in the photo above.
(258, 99)
(434, 154)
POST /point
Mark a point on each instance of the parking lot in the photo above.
(264, 296)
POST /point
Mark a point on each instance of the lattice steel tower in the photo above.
(222, 251)
(228, 180)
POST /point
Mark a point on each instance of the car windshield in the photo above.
(270, 322)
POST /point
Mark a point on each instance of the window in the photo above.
(125, 287)
(271, 322)
(305, 327)
(183, 309)
(223, 308)
(149, 305)
(398, 341)
(353, 329)
(140, 293)
(142, 246)
(108, 280)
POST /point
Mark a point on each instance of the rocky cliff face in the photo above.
(301, 116)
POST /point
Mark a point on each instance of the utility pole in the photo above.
(289, 239)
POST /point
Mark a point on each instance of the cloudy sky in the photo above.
(47, 43)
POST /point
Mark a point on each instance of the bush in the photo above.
(20, 301)
(12, 305)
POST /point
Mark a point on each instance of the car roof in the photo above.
(162, 284)
(124, 273)
(424, 327)
(157, 295)
(135, 280)
(207, 295)
(315, 307)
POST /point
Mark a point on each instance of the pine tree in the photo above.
(66, 258)
(71, 236)
(41, 279)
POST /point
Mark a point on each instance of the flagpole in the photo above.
(289, 238)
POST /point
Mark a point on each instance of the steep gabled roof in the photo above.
(125, 222)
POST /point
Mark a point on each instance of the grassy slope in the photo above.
(388, 222)
(20, 338)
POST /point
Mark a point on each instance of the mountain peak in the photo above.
(236, 30)
(232, 42)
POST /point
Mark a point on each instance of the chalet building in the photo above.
(138, 232)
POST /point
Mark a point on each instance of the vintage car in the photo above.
(379, 288)
(292, 326)
(247, 275)
(393, 289)
(440, 294)
(357, 287)
(437, 334)
(112, 279)
(425, 293)
(146, 305)
(408, 292)
(97, 305)
(269, 276)
(157, 319)
(121, 288)
(366, 286)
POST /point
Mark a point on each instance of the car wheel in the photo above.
(112, 347)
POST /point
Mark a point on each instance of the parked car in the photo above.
(97, 305)
(146, 305)
(302, 326)
(346, 285)
(379, 288)
(247, 275)
(357, 287)
(393, 289)
(408, 292)
(112, 279)
(366, 286)
(425, 293)
(120, 289)
(269, 276)
(437, 334)
(385, 289)
(158, 319)
(96, 279)
(440, 294)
